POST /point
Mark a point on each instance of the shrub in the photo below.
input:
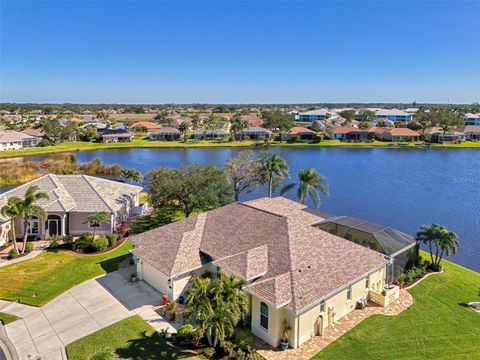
(100, 243)
(185, 331)
(112, 239)
(243, 339)
(84, 243)
(12, 254)
(54, 242)
(28, 247)
(209, 352)
(435, 267)
(68, 241)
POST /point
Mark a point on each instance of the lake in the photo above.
(402, 188)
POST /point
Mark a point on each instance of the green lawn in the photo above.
(7, 318)
(39, 280)
(145, 143)
(438, 325)
(131, 338)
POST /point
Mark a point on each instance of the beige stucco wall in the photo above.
(154, 277)
(78, 225)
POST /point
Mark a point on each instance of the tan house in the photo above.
(72, 198)
(400, 134)
(14, 140)
(294, 269)
(302, 133)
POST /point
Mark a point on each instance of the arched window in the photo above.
(264, 315)
(33, 225)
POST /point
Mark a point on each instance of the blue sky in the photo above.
(237, 52)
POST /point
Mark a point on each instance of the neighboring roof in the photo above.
(391, 112)
(253, 120)
(271, 240)
(469, 129)
(321, 112)
(388, 240)
(211, 132)
(146, 124)
(472, 116)
(438, 131)
(80, 193)
(34, 131)
(166, 130)
(402, 132)
(255, 129)
(116, 133)
(346, 129)
(13, 136)
(300, 130)
(378, 130)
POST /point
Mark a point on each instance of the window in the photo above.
(94, 225)
(33, 225)
(367, 282)
(322, 306)
(264, 315)
(349, 292)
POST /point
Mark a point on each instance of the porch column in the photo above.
(111, 223)
(63, 224)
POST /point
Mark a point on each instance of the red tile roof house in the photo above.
(301, 132)
(295, 271)
(400, 134)
(350, 133)
(147, 126)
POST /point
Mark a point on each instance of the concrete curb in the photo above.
(6, 346)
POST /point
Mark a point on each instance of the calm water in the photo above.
(402, 188)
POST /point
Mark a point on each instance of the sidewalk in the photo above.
(40, 245)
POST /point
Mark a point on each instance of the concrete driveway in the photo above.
(80, 311)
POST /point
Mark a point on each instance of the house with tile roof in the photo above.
(14, 140)
(72, 198)
(294, 269)
(302, 133)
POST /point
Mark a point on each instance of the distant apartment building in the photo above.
(315, 115)
(472, 119)
(393, 115)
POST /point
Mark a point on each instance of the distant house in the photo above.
(165, 134)
(313, 115)
(472, 132)
(13, 140)
(145, 126)
(437, 135)
(382, 122)
(400, 134)
(253, 120)
(34, 131)
(393, 115)
(302, 133)
(254, 133)
(72, 198)
(349, 133)
(472, 119)
(116, 135)
(207, 134)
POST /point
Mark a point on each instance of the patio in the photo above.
(317, 343)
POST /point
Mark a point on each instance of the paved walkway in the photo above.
(332, 333)
(88, 307)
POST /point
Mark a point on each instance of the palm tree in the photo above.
(272, 170)
(217, 305)
(12, 209)
(237, 124)
(183, 128)
(131, 175)
(311, 183)
(445, 241)
(28, 206)
(96, 219)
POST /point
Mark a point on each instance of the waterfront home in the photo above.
(295, 270)
(116, 135)
(393, 115)
(254, 133)
(472, 119)
(206, 134)
(471, 132)
(300, 133)
(145, 126)
(437, 135)
(349, 133)
(400, 134)
(13, 140)
(165, 134)
(313, 115)
(72, 198)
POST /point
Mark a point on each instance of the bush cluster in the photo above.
(28, 247)
(12, 254)
(87, 244)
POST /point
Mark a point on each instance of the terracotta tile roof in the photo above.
(300, 130)
(239, 235)
(146, 124)
(253, 120)
(345, 129)
(402, 132)
(34, 131)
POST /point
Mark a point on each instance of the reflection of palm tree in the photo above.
(273, 168)
(311, 183)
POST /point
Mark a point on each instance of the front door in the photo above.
(53, 227)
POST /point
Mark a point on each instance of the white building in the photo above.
(13, 140)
